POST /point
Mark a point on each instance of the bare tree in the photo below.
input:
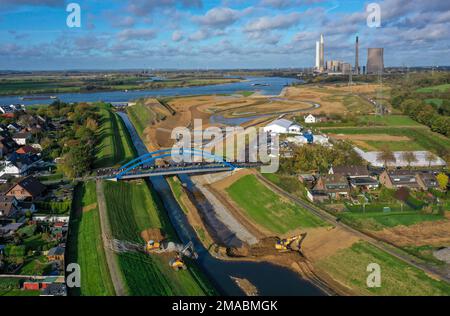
(409, 157)
(386, 155)
(430, 157)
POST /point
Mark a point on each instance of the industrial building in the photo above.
(375, 60)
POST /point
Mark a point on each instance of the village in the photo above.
(375, 180)
(34, 208)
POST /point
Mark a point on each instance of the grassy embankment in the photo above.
(132, 210)
(268, 209)
(115, 146)
(85, 245)
(58, 84)
(348, 267)
(141, 116)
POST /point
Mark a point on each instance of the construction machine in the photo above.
(152, 245)
(290, 244)
(188, 251)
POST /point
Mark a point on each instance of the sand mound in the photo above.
(152, 234)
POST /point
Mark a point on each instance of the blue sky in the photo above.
(119, 34)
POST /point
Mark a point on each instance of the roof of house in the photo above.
(351, 171)
(334, 181)
(364, 181)
(31, 185)
(7, 207)
(56, 251)
(403, 177)
(21, 135)
(25, 150)
(282, 122)
(429, 180)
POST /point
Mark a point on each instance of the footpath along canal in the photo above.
(268, 278)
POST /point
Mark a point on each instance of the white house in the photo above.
(282, 126)
(310, 119)
(21, 138)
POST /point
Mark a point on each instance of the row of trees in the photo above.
(320, 158)
(386, 156)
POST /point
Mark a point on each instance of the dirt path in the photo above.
(114, 270)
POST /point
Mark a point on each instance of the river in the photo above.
(263, 85)
(268, 278)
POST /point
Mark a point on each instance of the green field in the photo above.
(396, 146)
(381, 220)
(439, 88)
(115, 147)
(85, 244)
(131, 210)
(388, 120)
(422, 137)
(289, 184)
(268, 209)
(348, 267)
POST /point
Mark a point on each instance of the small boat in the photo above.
(37, 97)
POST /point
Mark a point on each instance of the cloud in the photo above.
(278, 22)
(137, 34)
(144, 7)
(177, 36)
(218, 17)
(41, 3)
(126, 21)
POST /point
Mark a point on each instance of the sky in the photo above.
(218, 34)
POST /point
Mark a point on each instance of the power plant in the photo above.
(375, 60)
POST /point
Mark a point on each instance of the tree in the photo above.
(409, 157)
(386, 155)
(430, 157)
(442, 179)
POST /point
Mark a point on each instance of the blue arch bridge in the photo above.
(144, 166)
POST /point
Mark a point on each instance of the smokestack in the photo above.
(357, 56)
(317, 55)
(322, 51)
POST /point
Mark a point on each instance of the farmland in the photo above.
(132, 209)
(85, 243)
(268, 209)
(419, 136)
(348, 267)
(438, 88)
(114, 146)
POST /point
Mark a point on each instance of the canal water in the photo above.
(268, 278)
(272, 86)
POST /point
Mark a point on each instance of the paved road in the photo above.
(377, 243)
(114, 270)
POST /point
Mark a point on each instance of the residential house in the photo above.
(9, 208)
(21, 138)
(396, 179)
(28, 188)
(358, 176)
(14, 127)
(56, 254)
(55, 289)
(427, 181)
(350, 171)
(10, 229)
(25, 150)
(336, 186)
(317, 196)
(282, 126)
(17, 165)
(310, 119)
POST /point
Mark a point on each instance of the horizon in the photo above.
(218, 34)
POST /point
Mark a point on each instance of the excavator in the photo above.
(188, 251)
(290, 244)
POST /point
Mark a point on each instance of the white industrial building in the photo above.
(283, 126)
(317, 139)
(421, 159)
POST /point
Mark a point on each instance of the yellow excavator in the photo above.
(152, 245)
(290, 244)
